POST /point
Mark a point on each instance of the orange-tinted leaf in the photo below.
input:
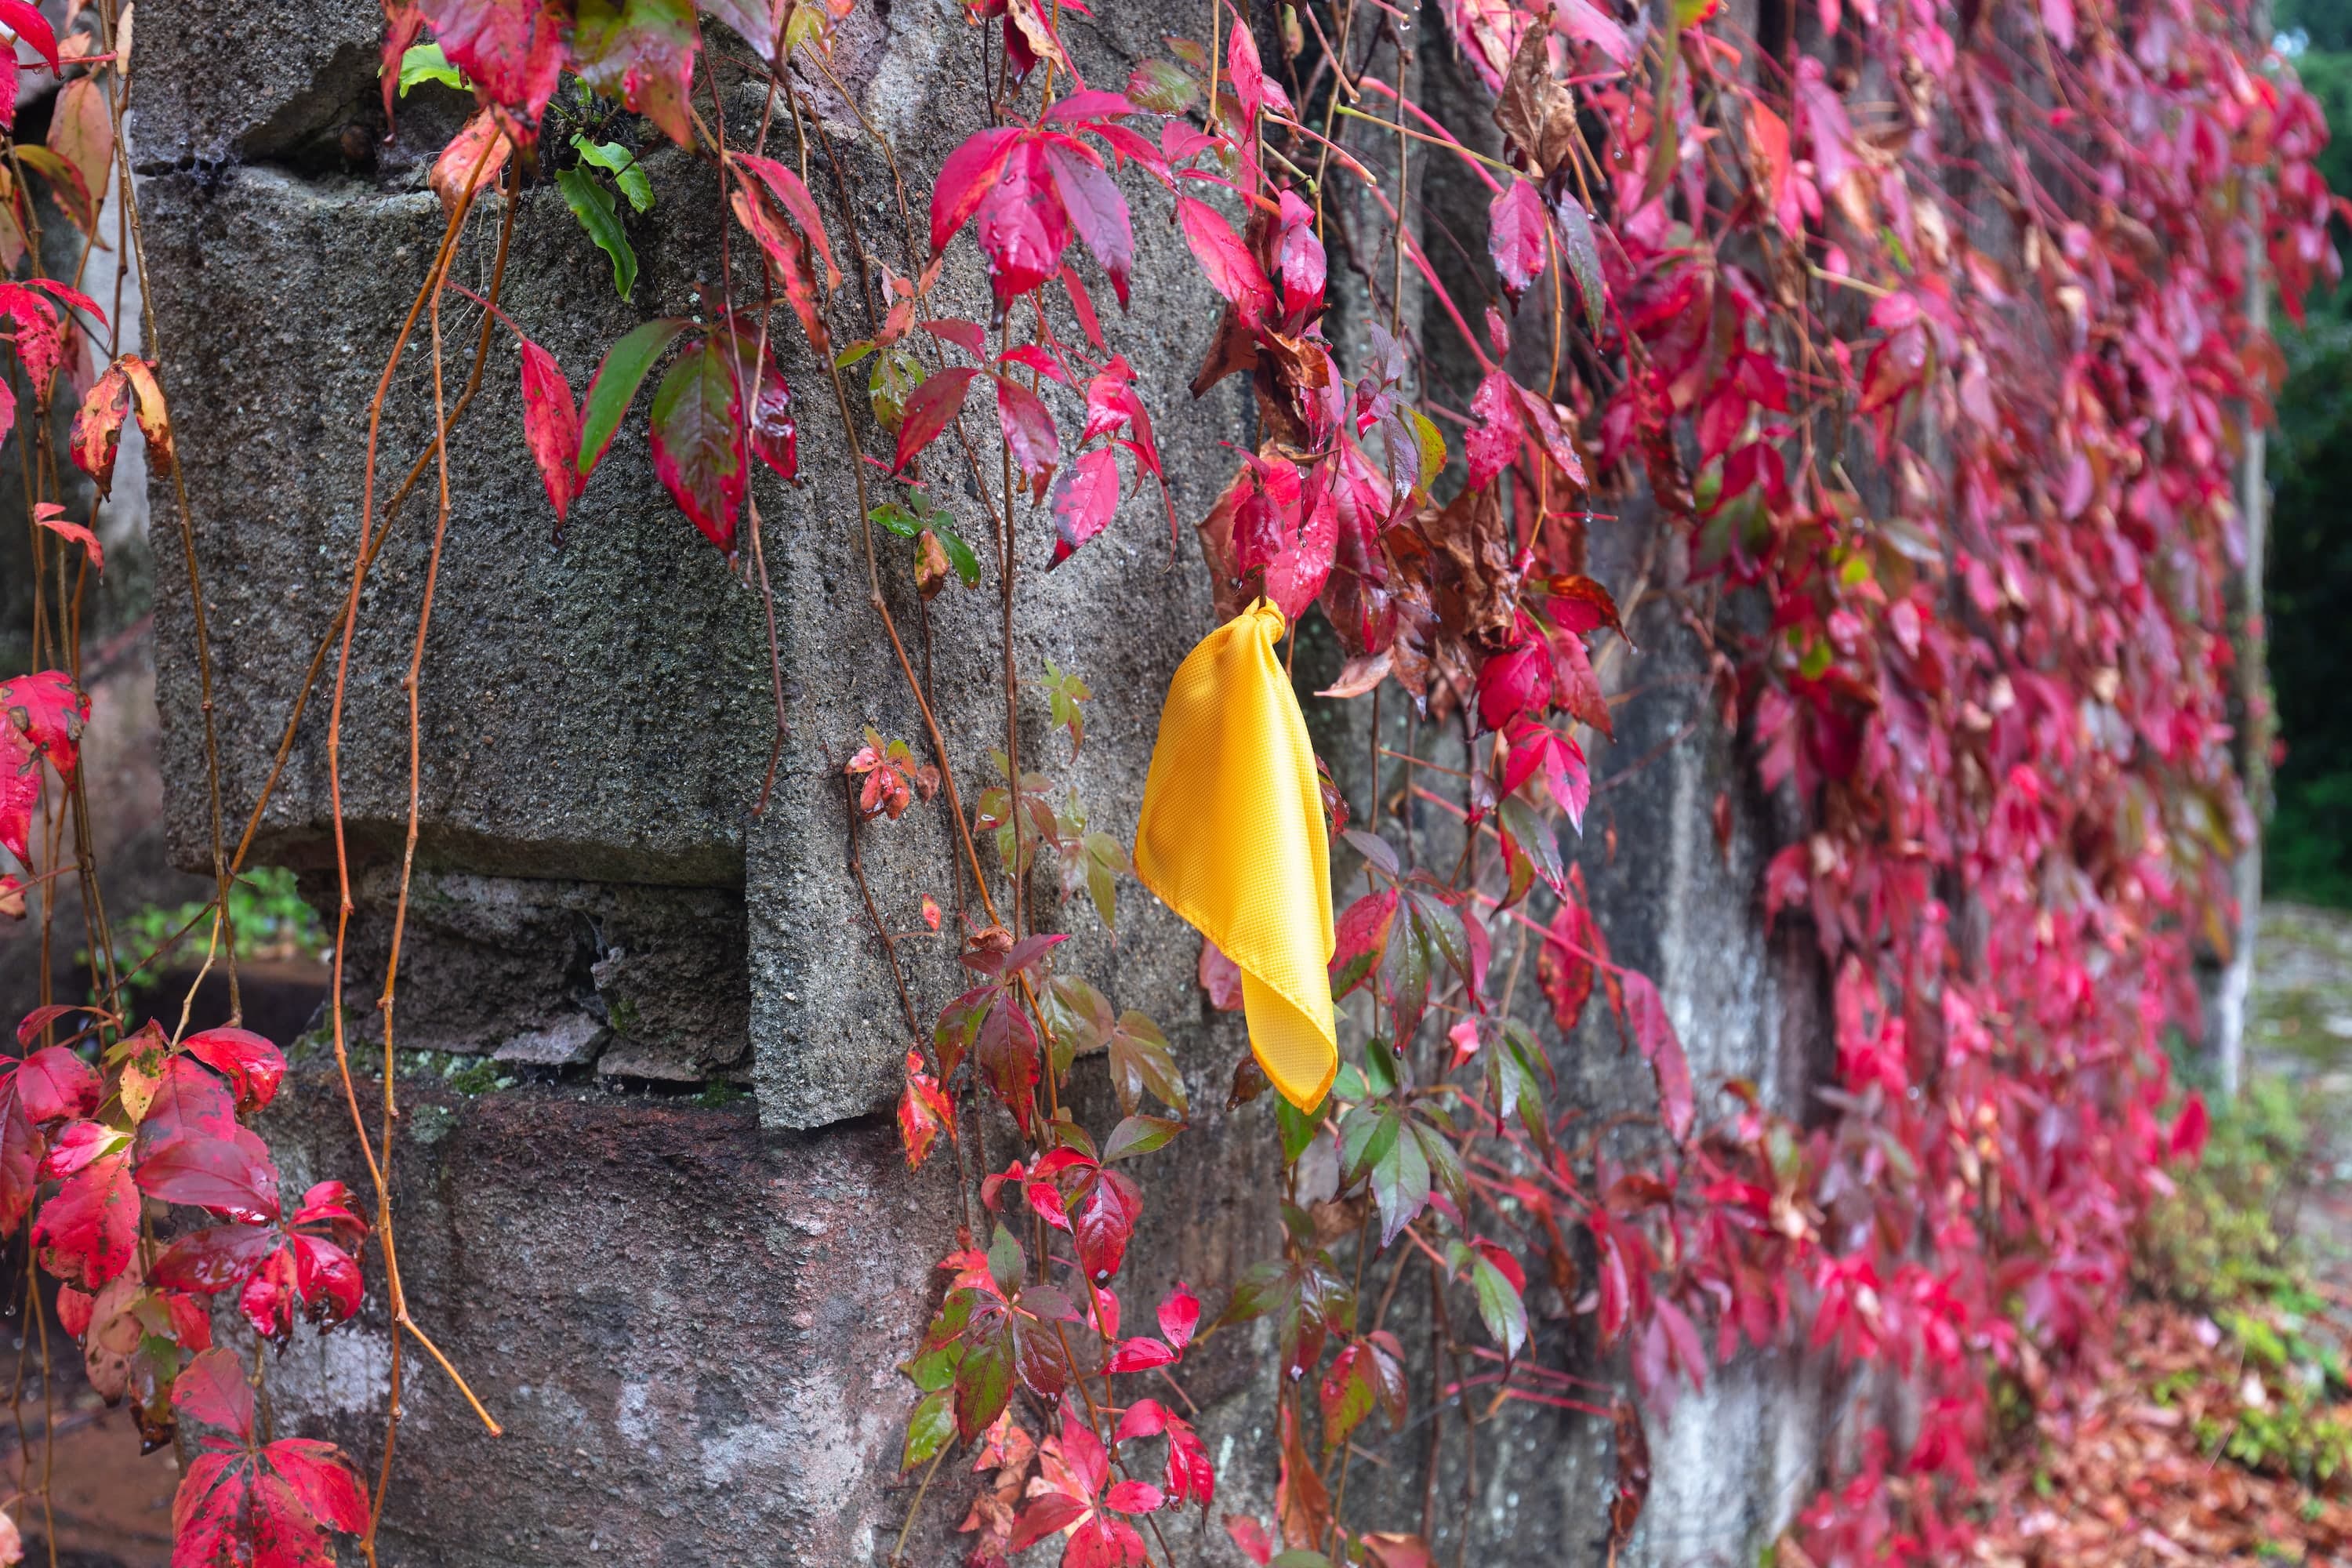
(98, 426)
(81, 131)
(787, 188)
(788, 252)
(472, 160)
(52, 516)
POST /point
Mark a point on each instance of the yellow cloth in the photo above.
(1231, 838)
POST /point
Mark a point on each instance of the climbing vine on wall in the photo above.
(1915, 340)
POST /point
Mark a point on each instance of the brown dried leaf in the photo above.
(1537, 112)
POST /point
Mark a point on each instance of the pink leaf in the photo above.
(1232, 270)
(1653, 1036)
(1140, 1354)
(1085, 500)
(1179, 1314)
(1515, 237)
(51, 516)
(1029, 428)
(1096, 209)
(1021, 226)
(965, 180)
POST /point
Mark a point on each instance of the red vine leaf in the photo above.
(23, 18)
(1515, 236)
(1028, 428)
(512, 49)
(1021, 225)
(931, 409)
(244, 1502)
(304, 1264)
(472, 160)
(787, 251)
(1231, 269)
(550, 428)
(924, 1110)
(86, 1230)
(641, 51)
(252, 1064)
(787, 189)
(965, 179)
(1095, 208)
(52, 516)
(1653, 1036)
(697, 449)
(44, 712)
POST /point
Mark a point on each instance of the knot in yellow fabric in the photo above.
(1231, 838)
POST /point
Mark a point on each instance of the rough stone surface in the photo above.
(689, 1326)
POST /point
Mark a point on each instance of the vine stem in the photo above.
(889, 625)
(898, 1547)
(128, 195)
(379, 1167)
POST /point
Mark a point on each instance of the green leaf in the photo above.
(1078, 1019)
(1106, 857)
(696, 426)
(1499, 1306)
(1400, 1184)
(426, 62)
(960, 556)
(1163, 88)
(896, 519)
(1297, 1128)
(1140, 1059)
(895, 375)
(1379, 1070)
(1366, 1135)
(1665, 134)
(1583, 253)
(933, 1369)
(1531, 832)
(626, 365)
(928, 1428)
(592, 206)
(1005, 1265)
(1444, 1165)
(1139, 1135)
(622, 164)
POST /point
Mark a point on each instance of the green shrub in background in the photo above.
(271, 919)
(2225, 1242)
(2227, 1233)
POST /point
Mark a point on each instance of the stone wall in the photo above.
(687, 1309)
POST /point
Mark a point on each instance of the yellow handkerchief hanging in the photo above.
(1231, 838)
